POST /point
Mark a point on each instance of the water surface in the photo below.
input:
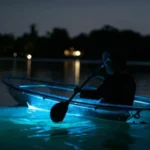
(22, 128)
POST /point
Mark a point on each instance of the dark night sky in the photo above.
(75, 15)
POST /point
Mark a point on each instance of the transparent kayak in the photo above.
(43, 95)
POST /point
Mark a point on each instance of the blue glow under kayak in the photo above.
(42, 95)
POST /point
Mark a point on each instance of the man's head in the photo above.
(116, 61)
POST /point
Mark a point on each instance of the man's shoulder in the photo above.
(121, 76)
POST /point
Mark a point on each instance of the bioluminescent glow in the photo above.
(46, 129)
(47, 86)
(35, 108)
(40, 109)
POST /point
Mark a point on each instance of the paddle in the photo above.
(59, 110)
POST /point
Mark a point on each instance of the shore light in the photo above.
(72, 52)
(66, 52)
(76, 53)
(15, 54)
(29, 56)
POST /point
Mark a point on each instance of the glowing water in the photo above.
(22, 129)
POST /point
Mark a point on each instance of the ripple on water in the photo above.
(22, 129)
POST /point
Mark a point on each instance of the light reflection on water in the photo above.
(26, 129)
(74, 73)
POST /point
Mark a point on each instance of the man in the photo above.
(118, 86)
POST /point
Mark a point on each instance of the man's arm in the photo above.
(92, 94)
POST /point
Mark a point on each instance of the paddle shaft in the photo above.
(97, 70)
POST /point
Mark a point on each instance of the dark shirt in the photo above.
(118, 88)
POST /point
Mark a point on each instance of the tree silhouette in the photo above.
(53, 44)
(59, 41)
(33, 30)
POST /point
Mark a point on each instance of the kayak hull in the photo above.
(41, 101)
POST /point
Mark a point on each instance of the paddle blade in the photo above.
(58, 111)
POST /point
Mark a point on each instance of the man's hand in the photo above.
(77, 90)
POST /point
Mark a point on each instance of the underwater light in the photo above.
(30, 107)
(35, 108)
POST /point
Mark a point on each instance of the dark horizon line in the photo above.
(58, 27)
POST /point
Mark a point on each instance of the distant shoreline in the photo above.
(137, 63)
